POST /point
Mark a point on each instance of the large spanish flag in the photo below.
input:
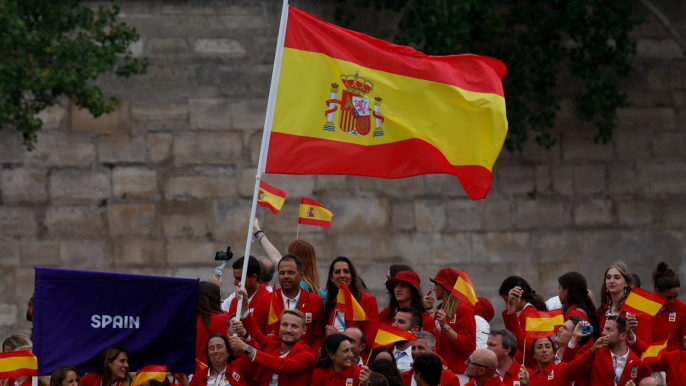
(347, 303)
(314, 213)
(18, 363)
(542, 324)
(270, 197)
(351, 104)
(389, 335)
(642, 303)
(653, 353)
(464, 290)
(150, 373)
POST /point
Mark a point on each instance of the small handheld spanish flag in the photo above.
(388, 335)
(270, 197)
(347, 303)
(542, 324)
(464, 290)
(275, 308)
(150, 373)
(642, 303)
(314, 213)
(653, 353)
(18, 363)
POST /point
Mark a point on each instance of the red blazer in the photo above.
(643, 330)
(88, 379)
(310, 304)
(512, 374)
(455, 354)
(576, 310)
(328, 377)
(233, 374)
(218, 323)
(447, 378)
(673, 363)
(261, 292)
(671, 321)
(516, 325)
(293, 370)
(370, 326)
(428, 324)
(561, 374)
(493, 382)
(602, 374)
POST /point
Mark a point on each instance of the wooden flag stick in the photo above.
(297, 234)
(524, 352)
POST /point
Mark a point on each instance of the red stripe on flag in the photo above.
(468, 72)
(272, 189)
(418, 157)
(318, 223)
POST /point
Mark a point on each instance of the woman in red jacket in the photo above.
(342, 270)
(334, 364)
(211, 318)
(458, 328)
(113, 369)
(404, 291)
(671, 319)
(223, 367)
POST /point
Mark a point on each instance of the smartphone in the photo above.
(586, 329)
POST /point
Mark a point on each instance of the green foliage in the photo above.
(59, 48)
(536, 39)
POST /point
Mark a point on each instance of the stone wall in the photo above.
(160, 185)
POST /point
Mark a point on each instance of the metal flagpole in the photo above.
(276, 71)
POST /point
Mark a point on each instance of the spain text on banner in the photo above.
(351, 104)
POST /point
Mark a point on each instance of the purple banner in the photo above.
(79, 313)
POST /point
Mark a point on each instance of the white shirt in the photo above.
(403, 358)
(227, 302)
(290, 304)
(483, 330)
(212, 381)
(618, 363)
(275, 377)
(553, 303)
(337, 318)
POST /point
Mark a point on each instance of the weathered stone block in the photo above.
(450, 248)
(593, 212)
(654, 118)
(622, 179)
(85, 254)
(66, 222)
(541, 213)
(210, 114)
(23, 185)
(232, 218)
(563, 180)
(115, 122)
(78, 186)
(189, 253)
(402, 215)
(149, 112)
(40, 252)
(579, 146)
(134, 182)
(549, 247)
(121, 148)
(8, 314)
(17, 221)
(635, 213)
(201, 186)
(633, 146)
(159, 146)
(131, 219)
(57, 149)
(207, 148)
(501, 247)
(219, 48)
(10, 252)
(11, 148)
(636, 248)
(544, 181)
(660, 179)
(333, 185)
(359, 215)
(463, 215)
(295, 186)
(168, 48)
(444, 185)
(589, 179)
(658, 49)
(131, 252)
(52, 116)
(517, 179)
(669, 145)
(248, 114)
(497, 215)
(429, 215)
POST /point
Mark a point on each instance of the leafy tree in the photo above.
(59, 48)
(536, 39)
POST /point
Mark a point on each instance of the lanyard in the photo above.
(338, 317)
(614, 370)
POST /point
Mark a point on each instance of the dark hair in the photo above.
(254, 267)
(620, 322)
(355, 286)
(330, 346)
(417, 302)
(665, 278)
(605, 297)
(430, 367)
(375, 352)
(296, 259)
(528, 293)
(415, 317)
(60, 373)
(636, 280)
(223, 337)
(209, 302)
(106, 357)
(533, 343)
(388, 369)
(509, 340)
(376, 379)
(395, 268)
(577, 293)
(266, 273)
(576, 319)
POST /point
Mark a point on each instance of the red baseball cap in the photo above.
(446, 277)
(407, 277)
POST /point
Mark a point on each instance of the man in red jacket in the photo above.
(616, 364)
(255, 289)
(504, 345)
(294, 297)
(482, 368)
(280, 361)
(426, 344)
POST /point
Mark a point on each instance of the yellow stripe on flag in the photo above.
(274, 200)
(16, 363)
(643, 304)
(454, 131)
(543, 324)
(464, 289)
(320, 213)
(652, 353)
(146, 376)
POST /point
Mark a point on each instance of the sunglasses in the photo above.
(469, 362)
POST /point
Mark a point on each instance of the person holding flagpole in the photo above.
(223, 368)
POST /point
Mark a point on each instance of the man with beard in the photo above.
(283, 360)
(673, 363)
